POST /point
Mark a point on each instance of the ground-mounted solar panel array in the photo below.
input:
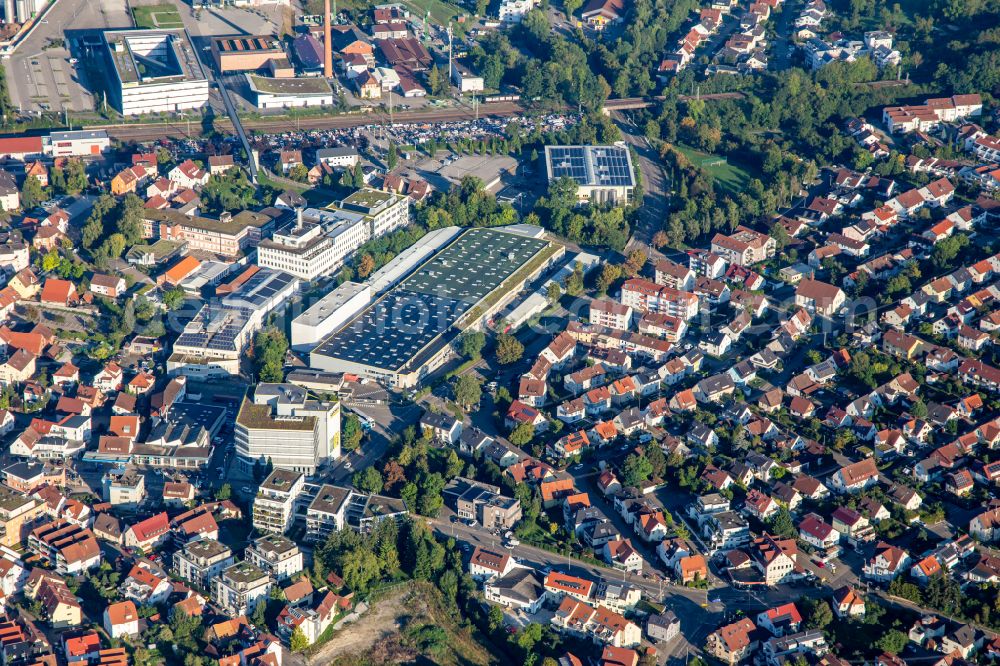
(393, 330)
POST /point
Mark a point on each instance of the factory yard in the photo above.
(41, 74)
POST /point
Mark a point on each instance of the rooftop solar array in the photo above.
(215, 329)
(473, 266)
(260, 289)
(390, 332)
(608, 166)
(393, 331)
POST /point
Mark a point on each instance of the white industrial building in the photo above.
(284, 93)
(328, 313)
(338, 156)
(465, 79)
(76, 143)
(281, 423)
(155, 71)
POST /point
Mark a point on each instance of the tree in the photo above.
(259, 616)
(368, 480)
(495, 618)
(892, 641)
(431, 498)
(224, 492)
(522, 434)
(437, 81)
(636, 469)
(366, 265)
(782, 524)
(468, 390)
(50, 260)
(820, 615)
(394, 474)
(409, 495)
(392, 158)
(350, 433)
(298, 640)
(360, 567)
(299, 173)
(270, 347)
(509, 349)
(636, 260)
(173, 298)
(553, 292)
(610, 273)
(32, 193)
(471, 343)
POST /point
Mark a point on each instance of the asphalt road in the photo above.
(653, 212)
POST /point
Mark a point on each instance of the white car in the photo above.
(347, 465)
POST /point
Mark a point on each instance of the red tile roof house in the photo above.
(888, 562)
(520, 413)
(815, 532)
(855, 477)
(121, 619)
(59, 292)
(149, 533)
(781, 620)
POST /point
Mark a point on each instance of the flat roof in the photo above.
(329, 499)
(310, 85)
(319, 311)
(248, 43)
(280, 480)
(259, 417)
(153, 57)
(595, 166)
(394, 330)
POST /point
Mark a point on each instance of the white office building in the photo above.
(282, 424)
(383, 211)
(155, 71)
(328, 313)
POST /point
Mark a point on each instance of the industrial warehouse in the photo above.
(406, 334)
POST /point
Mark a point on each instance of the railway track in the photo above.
(153, 131)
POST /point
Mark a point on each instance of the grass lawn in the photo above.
(157, 16)
(730, 177)
(441, 12)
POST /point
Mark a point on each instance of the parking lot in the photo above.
(41, 75)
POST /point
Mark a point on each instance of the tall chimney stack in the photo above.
(328, 43)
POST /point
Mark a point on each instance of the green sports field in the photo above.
(728, 176)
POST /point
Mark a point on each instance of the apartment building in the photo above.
(240, 588)
(67, 547)
(17, 511)
(744, 246)
(647, 296)
(609, 314)
(274, 506)
(202, 560)
(327, 512)
(275, 554)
